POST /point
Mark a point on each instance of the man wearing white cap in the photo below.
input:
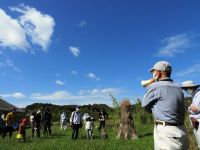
(166, 101)
(192, 89)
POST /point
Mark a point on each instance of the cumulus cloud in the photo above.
(60, 83)
(174, 45)
(16, 95)
(37, 25)
(93, 76)
(12, 35)
(82, 97)
(30, 28)
(74, 50)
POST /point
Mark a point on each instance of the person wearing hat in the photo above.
(165, 100)
(194, 109)
(75, 122)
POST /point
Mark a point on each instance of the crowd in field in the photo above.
(40, 122)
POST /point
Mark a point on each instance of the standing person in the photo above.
(38, 123)
(47, 117)
(166, 101)
(89, 125)
(193, 90)
(102, 119)
(22, 129)
(63, 121)
(10, 118)
(32, 122)
(75, 122)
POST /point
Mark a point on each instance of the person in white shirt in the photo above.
(63, 121)
(75, 122)
(193, 90)
(89, 125)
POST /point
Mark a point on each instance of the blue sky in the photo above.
(76, 52)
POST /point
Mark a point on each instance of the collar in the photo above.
(166, 79)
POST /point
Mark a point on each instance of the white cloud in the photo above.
(194, 70)
(82, 97)
(60, 83)
(173, 45)
(12, 35)
(74, 50)
(16, 95)
(31, 27)
(74, 72)
(93, 76)
(37, 25)
(82, 24)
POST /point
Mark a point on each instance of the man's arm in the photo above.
(149, 99)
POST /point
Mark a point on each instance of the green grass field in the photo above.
(62, 141)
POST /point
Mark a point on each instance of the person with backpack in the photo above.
(47, 117)
(75, 122)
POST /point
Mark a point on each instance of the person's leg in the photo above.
(100, 126)
(87, 133)
(10, 131)
(24, 136)
(49, 128)
(77, 130)
(171, 137)
(61, 125)
(4, 132)
(90, 134)
(38, 131)
(44, 129)
(103, 124)
(73, 132)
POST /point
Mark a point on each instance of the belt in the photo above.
(167, 123)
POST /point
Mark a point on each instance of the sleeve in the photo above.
(149, 99)
(71, 118)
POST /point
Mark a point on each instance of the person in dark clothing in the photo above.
(102, 119)
(38, 123)
(47, 122)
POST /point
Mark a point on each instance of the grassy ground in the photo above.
(61, 141)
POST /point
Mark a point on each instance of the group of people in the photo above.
(41, 120)
(165, 100)
(76, 123)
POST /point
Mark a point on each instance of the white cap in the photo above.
(162, 66)
(189, 83)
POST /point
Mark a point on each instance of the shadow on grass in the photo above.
(145, 135)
